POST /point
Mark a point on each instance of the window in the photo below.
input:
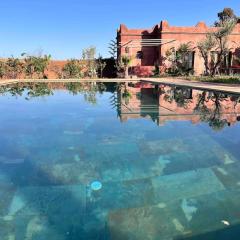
(186, 59)
(139, 55)
(189, 60)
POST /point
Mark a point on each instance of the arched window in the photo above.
(139, 55)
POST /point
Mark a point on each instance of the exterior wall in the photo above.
(54, 68)
(182, 35)
(156, 55)
(143, 67)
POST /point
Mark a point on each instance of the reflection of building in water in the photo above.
(138, 101)
(165, 103)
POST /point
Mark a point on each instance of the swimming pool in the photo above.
(118, 161)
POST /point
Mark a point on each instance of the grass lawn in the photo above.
(217, 79)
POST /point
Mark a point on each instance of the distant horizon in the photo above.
(63, 28)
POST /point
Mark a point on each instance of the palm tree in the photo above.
(126, 61)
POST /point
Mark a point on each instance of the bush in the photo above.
(73, 69)
(36, 65)
(2, 69)
(13, 68)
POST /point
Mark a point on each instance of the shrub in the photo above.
(2, 69)
(36, 65)
(13, 68)
(73, 69)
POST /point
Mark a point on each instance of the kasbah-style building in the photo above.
(147, 47)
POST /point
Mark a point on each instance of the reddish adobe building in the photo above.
(147, 47)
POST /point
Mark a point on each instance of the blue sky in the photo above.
(63, 28)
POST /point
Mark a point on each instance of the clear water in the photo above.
(111, 162)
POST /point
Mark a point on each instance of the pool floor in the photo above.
(176, 181)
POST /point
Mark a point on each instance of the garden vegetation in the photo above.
(37, 66)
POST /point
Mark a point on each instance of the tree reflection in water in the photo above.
(88, 89)
(212, 115)
(175, 103)
(182, 96)
(33, 90)
(209, 113)
(29, 90)
(160, 103)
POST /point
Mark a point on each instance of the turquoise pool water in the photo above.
(116, 162)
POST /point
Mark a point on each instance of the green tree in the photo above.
(179, 59)
(112, 49)
(101, 65)
(73, 69)
(13, 68)
(205, 48)
(123, 65)
(88, 55)
(36, 65)
(216, 43)
(2, 69)
(225, 15)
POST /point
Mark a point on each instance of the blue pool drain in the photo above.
(96, 185)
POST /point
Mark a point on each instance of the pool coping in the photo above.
(110, 80)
